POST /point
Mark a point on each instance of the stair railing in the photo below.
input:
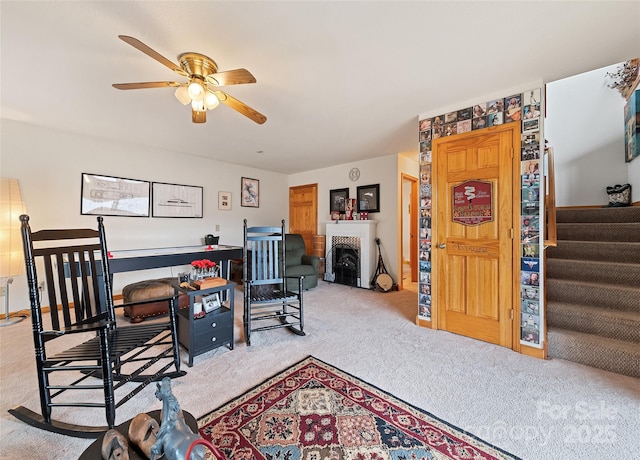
(550, 233)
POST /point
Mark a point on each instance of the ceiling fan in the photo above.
(202, 88)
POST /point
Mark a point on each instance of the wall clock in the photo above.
(354, 174)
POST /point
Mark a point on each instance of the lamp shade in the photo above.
(11, 207)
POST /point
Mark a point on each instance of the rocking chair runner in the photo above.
(73, 262)
(266, 298)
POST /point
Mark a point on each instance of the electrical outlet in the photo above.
(3, 291)
(217, 228)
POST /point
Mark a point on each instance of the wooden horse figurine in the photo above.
(175, 436)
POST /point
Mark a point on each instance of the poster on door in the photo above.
(473, 202)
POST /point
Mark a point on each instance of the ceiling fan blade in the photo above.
(231, 77)
(148, 84)
(152, 53)
(198, 117)
(241, 107)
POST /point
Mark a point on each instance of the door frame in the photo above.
(413, 240)
(515, 232)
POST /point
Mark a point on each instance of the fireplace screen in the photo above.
(345, 256)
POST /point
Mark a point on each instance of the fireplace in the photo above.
(345, 256)
(350, 257)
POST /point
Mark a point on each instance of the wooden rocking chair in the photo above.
(266, 298)
(77, 280)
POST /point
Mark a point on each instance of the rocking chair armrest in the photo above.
(82, 326)
(92, 326)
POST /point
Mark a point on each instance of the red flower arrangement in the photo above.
(204, 264)
(204, 268)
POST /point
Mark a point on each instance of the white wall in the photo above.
(49, 165)
(585, 127)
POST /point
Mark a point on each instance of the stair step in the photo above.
(620, 325)
(596, 272)
(595, 351)
(599, 295)
(601, 231)
(626, 214)
(596, 251)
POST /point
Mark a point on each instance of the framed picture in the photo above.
(368, 198)
(211, 302)
(173, 200)
(250, 195)
(531, 125)
(338, 199)
(114, 196)
(224, 200)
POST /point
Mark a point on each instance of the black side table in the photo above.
(199, 335)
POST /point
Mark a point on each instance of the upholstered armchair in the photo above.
(299, 263)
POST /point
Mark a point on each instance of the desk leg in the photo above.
(231, 294)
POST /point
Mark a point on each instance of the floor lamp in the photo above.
(11, 256)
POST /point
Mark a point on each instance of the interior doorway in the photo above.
(409, 233)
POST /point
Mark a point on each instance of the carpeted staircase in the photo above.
(593, 289)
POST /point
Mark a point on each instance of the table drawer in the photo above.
(213, 338)
(212, 322)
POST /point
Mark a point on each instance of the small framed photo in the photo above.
(211, 302)
(368, 198)
(250, 197)
(530, 125)
(224, 200)
(338, 199)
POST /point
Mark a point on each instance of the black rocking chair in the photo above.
(77, 280)
(266, 298)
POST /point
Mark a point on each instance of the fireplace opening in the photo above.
(346, 264)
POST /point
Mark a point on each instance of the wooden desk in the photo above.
(144, 259)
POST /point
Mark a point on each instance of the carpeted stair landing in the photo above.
(593, 289)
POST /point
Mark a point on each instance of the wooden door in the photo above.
(303, 212)
(475, 210)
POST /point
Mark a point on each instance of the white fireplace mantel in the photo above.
(363, 229)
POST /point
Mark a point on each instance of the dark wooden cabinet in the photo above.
(199, 335)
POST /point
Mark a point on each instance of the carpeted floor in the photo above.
(532, 408)
(314, 411)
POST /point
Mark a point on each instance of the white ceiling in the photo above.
(338, 81)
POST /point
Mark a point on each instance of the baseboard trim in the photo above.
(535, 352)
(594, 206)
(591, 206)
(423, 322)
(26, 312)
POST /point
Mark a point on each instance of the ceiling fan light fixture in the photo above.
(198, 117)
(196, 90)
(211, 101)
(202, 77)
(198, 106)
(182, 94)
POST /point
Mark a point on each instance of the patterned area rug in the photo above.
(313, 411)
